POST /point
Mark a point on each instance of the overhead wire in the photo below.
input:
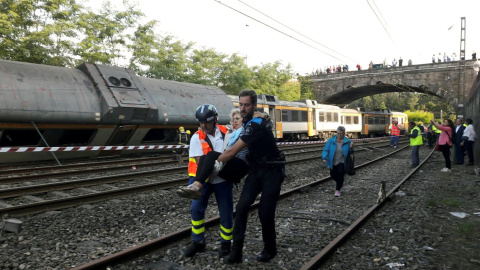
(383, 25)
(275, 29)
(346, 57)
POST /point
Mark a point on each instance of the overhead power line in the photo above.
(383, 25)
(346, 57)
(273, 28)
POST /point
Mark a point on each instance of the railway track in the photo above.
(180, 235)
(15, 207)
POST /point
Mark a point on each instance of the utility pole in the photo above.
(461, 71)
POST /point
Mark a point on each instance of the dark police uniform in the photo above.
(267, 171)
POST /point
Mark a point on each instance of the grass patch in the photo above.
(431, 202)
(466, 229)
(451, 202)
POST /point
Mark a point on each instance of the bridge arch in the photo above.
(450, 80)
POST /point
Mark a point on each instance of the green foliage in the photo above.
(419, 116)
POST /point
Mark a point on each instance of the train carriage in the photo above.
(352, 121)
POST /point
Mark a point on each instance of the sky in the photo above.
(314, 34)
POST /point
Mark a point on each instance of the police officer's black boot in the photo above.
(235, 253)
(194, 248)
(267, 254)
(224, 249)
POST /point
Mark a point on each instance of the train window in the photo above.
(348, 120)
(114, 80)
(285, 116)
(303, 116)
(329, 117)
(295, 116)
(20, 138)
(335, 117)
(382, 120)
(125, 82)
(74, 137)
(370, 120)
(376, 120)
(278, 115)
(355, 120)
(321, 117)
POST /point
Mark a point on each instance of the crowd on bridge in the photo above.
(345, 68)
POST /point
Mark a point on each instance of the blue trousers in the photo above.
(394, 140)
(415, 155)
(224, 197)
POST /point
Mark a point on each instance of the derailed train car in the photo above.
(94, 105)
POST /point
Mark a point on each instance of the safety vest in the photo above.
(434, 128)
(395, 131)
(192, 163)
(417, 140)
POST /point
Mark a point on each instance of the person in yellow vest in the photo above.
(394, 133)
(183, 137)
(209, 138)
(415, 142)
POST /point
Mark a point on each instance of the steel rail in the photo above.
(318, 259)
(161, 242)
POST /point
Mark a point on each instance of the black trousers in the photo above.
(268, 181)
(234, 170)
(469, 147)
(338, 174)
(446, 155)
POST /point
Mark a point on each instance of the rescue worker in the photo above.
(431, 135)
(267, 171)
(209, 138)
(415, 142)
(182, 139)
(394, 133)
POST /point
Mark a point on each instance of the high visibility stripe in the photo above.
(225, 229)
(198, 222)
(198, 231)
(192, 167)
(226, 237)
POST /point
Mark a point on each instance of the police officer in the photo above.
(209, 138)
(267, 171)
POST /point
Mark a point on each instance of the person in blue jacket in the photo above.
(334, 155)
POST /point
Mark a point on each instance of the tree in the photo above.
(235, 75)
(38, 31)
(104, 37)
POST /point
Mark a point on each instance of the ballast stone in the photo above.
(12, 225)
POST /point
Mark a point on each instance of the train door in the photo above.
(311, 122)
(120, 136)
(271, 112)
(278, 124)
(365, 125)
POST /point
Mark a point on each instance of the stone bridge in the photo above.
(453, 81)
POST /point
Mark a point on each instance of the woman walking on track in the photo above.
(334, 155)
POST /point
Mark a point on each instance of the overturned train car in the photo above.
(94, 105)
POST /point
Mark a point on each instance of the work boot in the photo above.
(235, 253)
(267, 255)
(224, 249)
(194, 248)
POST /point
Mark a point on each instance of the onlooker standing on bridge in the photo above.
(415, 142)
(370, 66)
(359, 67)
(454, 55)
(474, 55)
(439, 57)
(409, 62)
(469, 140)
(444, 57)
(394, 62)
(400, 62)
(334, 154)
(433, 58)
(445, 141)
